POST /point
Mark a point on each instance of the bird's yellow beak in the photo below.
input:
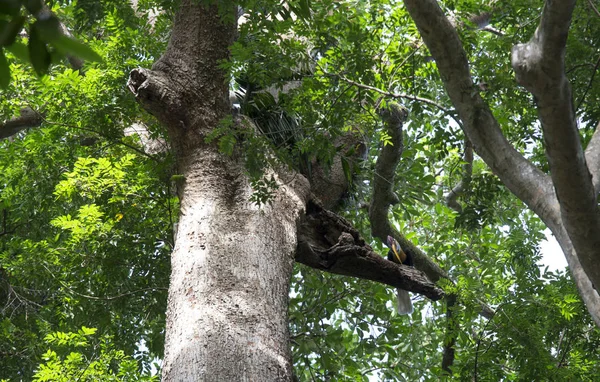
(398, 252)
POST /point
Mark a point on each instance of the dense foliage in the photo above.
(87, 216)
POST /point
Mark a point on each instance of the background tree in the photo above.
(88, 214)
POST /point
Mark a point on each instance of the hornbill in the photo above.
(399, 256)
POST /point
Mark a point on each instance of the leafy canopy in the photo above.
(86, 223)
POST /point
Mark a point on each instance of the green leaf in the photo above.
(347, 169)
(10, 7)
(48, 28)
(304, 9)
(4, 71)
(71, 46)
(177, 178)
(227, 144)
(19, 50)
(38, 52)
(10, 30)
(88, 331)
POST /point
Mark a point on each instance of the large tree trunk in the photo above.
(227, 309)
(232, 262)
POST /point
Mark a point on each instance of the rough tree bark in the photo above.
(232, 261)
(573, 215)
(28, 118)
(227, 308)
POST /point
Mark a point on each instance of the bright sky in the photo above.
(552, 255)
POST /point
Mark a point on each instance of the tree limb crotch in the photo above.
(383, 195)
(520, 176)
(328, 242)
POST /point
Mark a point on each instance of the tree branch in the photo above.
(154, 91)
(329, 243)
(521, 177)
(27, 119)
(384, 196)
(539, 67)
(452, 327)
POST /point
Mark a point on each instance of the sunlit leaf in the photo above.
(38, 53)
(72, 46)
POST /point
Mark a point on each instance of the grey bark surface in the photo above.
(539, 67)
(568, 215)
(231, 266)
(329, 243)
(592, 158)
(232, 261)
(27, 119)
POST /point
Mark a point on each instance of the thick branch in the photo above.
(181, 90)
(384, 196)
(330, 183)
(150, 145)
(155, 92)
(383, 180)
(588, 293)
(329, 243)
(539, 67)
(28, 118)
(521, 177)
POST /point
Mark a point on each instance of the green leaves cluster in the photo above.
(240, 138)
(86, 218)
(46, 41)
(79, 356)
(490, 249)
(90, 249)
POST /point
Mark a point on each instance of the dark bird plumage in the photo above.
(397, 254)
(400, 256)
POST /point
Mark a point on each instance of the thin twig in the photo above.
(475, 377)
(428, 101)
(587, 89)
(594, 8)
(451, 197)
(137, 150)
(109, 298)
